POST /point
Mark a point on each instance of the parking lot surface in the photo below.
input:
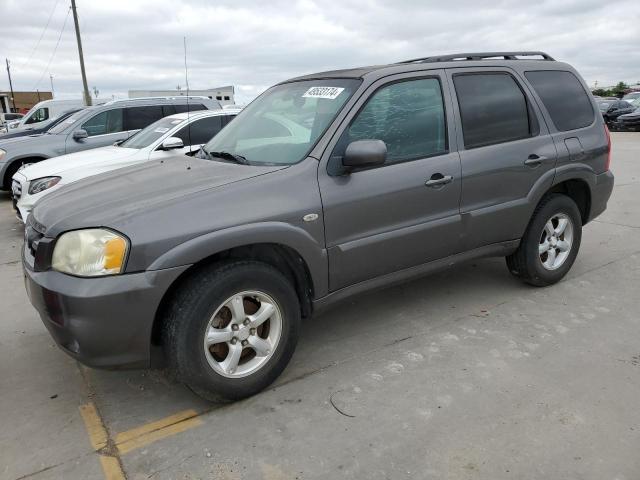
(467, 374)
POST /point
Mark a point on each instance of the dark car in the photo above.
(325, 186)
(612, 109)
(629, 121)
(42, 127)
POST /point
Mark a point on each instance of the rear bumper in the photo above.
(102, 322)
(600, 194)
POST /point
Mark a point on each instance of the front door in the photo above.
(104, 128)
(405, 212)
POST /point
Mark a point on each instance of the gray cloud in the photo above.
(253, 44)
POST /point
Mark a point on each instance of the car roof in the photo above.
(204, 113)
(478, 59)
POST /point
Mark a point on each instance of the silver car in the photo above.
(91, 128)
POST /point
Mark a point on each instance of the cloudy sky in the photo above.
(138, 44)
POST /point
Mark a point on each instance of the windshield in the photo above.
(282, 125)
(62, 126)
(150, 134)
(606, 104)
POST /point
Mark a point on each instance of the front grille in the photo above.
(16, 193)
(16, 189)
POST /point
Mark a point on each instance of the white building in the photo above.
(223, 94)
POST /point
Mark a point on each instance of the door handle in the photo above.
(437, 180)
(534, 160)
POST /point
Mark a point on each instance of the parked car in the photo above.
(325, 186)
(612, 109)
(629, 121)
(630, 97)
(8, 117)
(181, 133)
(46, 110)
(42, 127)
(91, 128)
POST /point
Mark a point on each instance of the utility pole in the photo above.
(53, 93)
(87, 96)
(13, 100)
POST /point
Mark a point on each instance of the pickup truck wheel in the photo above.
(551, 243)
(232, 329)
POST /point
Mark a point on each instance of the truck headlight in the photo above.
(41, 184)
(93, 252)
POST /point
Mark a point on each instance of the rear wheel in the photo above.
(231, 329)
(551, 243)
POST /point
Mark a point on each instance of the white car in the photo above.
(179, 133)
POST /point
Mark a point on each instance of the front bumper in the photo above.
(102, 322)
(600, 194)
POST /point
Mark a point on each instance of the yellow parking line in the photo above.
(97, 433)
(154, 431)
(111, 468)
(99, 439)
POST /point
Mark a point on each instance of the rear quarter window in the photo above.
(564, 98)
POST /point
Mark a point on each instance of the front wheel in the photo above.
(231, 329)
(551, 243)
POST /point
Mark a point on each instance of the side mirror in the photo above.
(172, 143)
(364, 153)
(80, 134)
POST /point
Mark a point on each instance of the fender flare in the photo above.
(201, 247)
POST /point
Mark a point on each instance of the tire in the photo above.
(204, 303)
(11, 170)
(531, 262)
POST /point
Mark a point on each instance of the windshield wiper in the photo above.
(228, 156)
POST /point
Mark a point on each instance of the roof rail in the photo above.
(142, 99)
(480, 56)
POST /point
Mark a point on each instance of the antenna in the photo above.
(186, 80)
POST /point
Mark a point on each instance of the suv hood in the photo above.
(58, 166)
(634, 114)
(18, 142)
(114, 198)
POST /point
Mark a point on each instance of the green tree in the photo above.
(620, 89)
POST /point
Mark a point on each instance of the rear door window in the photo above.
(200, 131)
(564, 98)
(109, 121)
(493, 109)
(139, 117)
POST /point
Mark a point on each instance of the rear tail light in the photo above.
(608, 164)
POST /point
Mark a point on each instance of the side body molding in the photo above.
(296, 238)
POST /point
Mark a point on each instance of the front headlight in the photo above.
(41, 184)
(92, 252)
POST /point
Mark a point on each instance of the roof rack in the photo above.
(480, 56)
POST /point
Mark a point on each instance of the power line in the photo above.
(55, 49)
(55, 5)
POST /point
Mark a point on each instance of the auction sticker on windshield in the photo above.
(330, 93)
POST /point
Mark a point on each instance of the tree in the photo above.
(620, 89)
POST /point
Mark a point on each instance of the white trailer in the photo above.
(224, 95)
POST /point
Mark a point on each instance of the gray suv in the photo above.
(325, 186)
(92, 127)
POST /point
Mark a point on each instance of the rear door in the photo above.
(573, 120)
(389, 218)
(505, 151)
(103, 128)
